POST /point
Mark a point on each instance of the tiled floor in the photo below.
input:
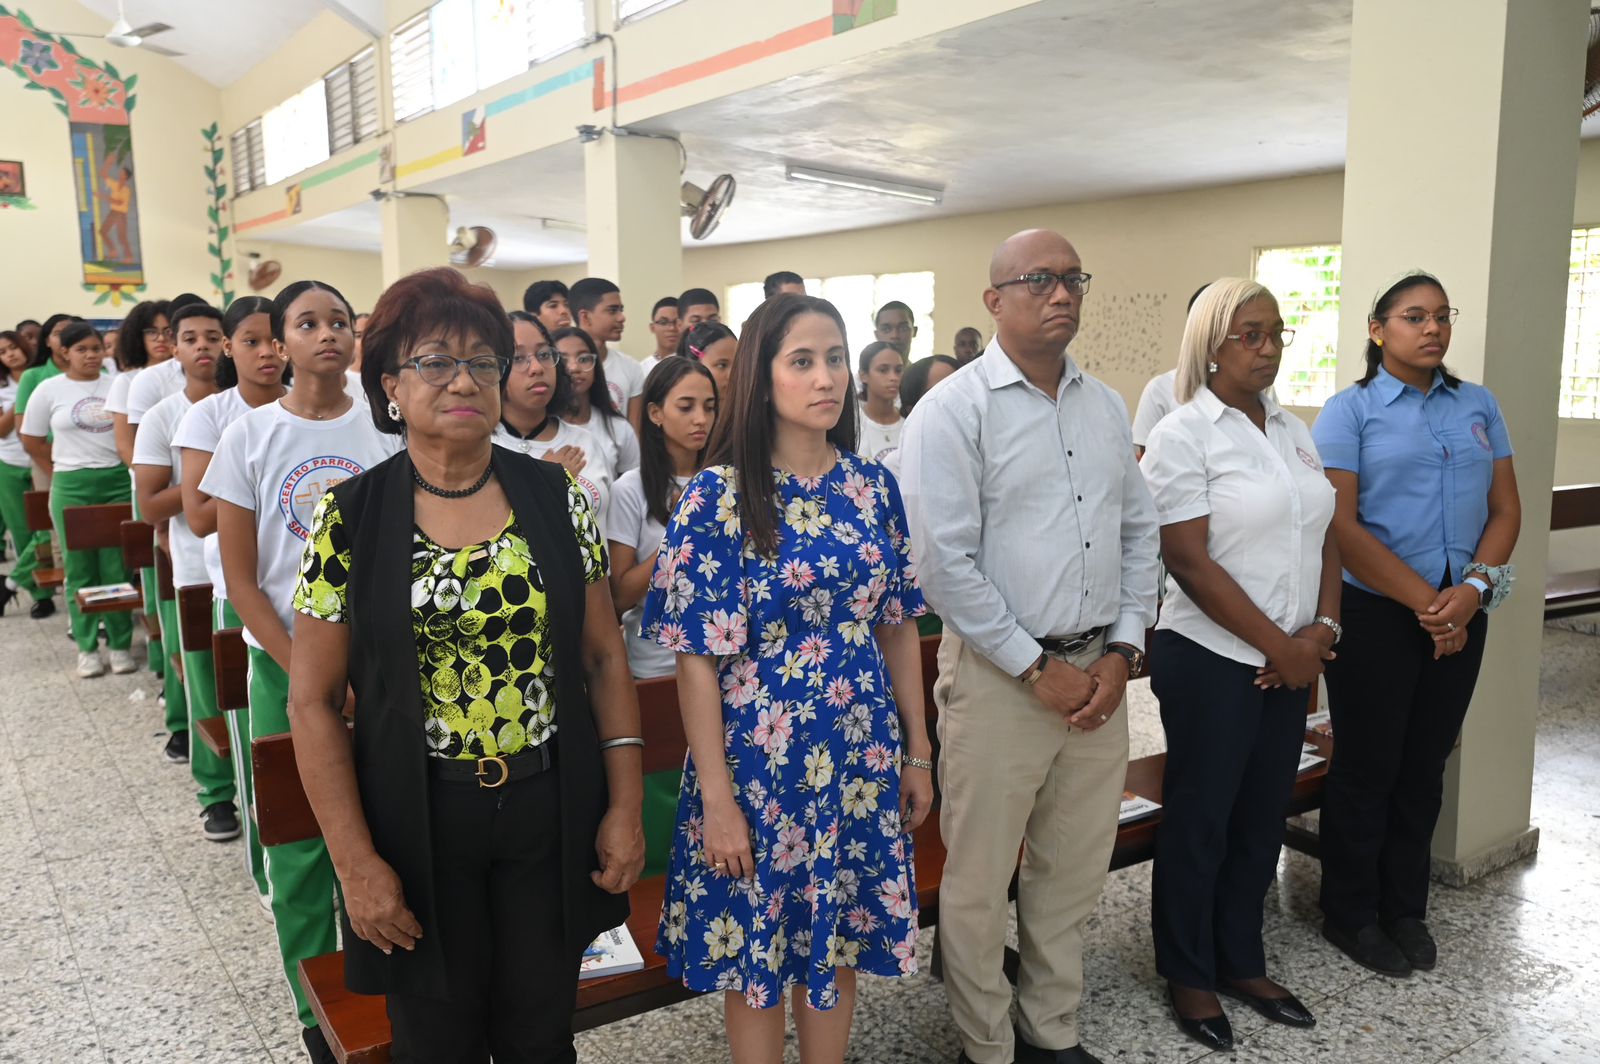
(124, 936)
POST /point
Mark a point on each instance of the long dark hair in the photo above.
(561, 391)
(742, 437)
(49, 326)
(131, 353)
(655, 464)
(12, 336)
(293, 291)
(77, 333)
(868, 353)
(1381, 309)
(599, 391)
(693, 343)
(240, 311)
(914, 382)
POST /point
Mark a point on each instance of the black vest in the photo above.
(390, 751)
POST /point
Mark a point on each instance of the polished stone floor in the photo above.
(125, 936)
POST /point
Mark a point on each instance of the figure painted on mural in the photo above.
(117, 176)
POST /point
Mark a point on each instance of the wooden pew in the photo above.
(230, 659)
(356, 1025)
(37, 505)
(138, 546)
(99, 528)
(194, 637)
(1565, 594)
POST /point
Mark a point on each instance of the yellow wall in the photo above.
(44, 262)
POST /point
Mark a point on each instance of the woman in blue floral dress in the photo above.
(801, 692)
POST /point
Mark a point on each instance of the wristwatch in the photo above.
(1485, 592)
(1134, 655)
(1332, 625)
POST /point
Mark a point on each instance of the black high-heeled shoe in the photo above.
(8, 595)
(1286, 1010)
(1213, 1032)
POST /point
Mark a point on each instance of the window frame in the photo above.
(651, 7)
(1573, 321)
(1295, 320)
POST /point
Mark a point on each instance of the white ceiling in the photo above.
(219, 49)
(1063, 100)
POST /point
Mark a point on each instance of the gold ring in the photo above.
(1451, 625)
(720, 864)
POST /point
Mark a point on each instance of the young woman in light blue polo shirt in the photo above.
(1426, 517)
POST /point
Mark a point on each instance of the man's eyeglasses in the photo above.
(1255, 338)
(664, 323)
(1417, 320)
(1042, 284)
(158, 334)
(440, 370)
(524, 360)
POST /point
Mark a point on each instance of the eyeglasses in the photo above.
(1444, 318)
(664, 323)
(1042, 284)
(1255, 338)
(158, 334)
(440, 370)
(585, 359)
(524, 360)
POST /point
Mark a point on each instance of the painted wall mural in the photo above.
(216, 212)
(97, 102)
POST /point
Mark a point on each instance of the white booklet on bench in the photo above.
(1310, 761)
(106, 592)
(1136, 808)
(611, 954)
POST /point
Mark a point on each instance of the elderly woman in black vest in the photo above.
(485, 820)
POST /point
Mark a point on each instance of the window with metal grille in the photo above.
(351, 90)
(411, 68)
(636, 9)
(557, 25)
(1580, 348)
(295, 133)
(1306, 282)
(857, 297)
(249, 160)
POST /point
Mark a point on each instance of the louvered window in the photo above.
(411, 68)
(635, 9)
(249, 161)
(352, 94)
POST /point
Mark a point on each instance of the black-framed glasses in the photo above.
(158, 334)
(440, 370)
(1417, 319)
(664, 323)
(1254, 339)
(1042, 284)
(524, 360)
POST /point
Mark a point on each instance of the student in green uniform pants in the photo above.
(67, 432)
(16, 479)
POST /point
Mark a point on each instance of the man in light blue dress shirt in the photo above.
(1035, 540)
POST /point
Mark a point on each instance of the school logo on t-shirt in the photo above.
(1309, 459)
(588, 485)
(89, 414)
(305, 486)
(1480, 432)
(617, 397)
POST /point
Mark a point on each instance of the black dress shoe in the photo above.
(1213, 1032)
(1370, 948)
(1030, 1054)
(1412, 936)
(1286, 1010)
(8, 595)
(42, 608)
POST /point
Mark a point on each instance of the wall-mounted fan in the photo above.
(473, 245)
(124, 34)
(262, 272)
(1591, 66)
(705, 207)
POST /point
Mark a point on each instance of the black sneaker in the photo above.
(177, 749)
(316, 1046)
(220, 821)
(42, 608)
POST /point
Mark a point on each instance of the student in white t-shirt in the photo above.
(145, 341)
(67, 433)
(713, 345)
(880, 424)
(270, 469)
(1156, 401)
(591, 406)
(665, 328)
(249, 375)
(157, 476)
(680, 408)
(597, 310)
(531, 393)
(151, 386)
(16, 477)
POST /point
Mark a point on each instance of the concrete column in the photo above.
(1462, 160)
(415, 235)
(634, 224)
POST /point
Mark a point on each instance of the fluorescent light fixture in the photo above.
(862, 183)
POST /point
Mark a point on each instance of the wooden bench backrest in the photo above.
(230, 659)
(37, 505)
(1574, 506)
(164, 589)
(194, 618)
(95, 527)
(138, 545)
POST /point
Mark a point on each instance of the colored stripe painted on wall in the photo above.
(732, 59)
(349, 166)
(576, 76)
(265, 219)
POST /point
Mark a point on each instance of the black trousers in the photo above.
(1233, 751)
(497, 885)
(1396, 713)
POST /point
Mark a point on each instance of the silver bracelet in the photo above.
(916, 762)
(630, 740)
(1332, 625)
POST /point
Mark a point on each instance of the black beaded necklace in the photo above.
(462, 493)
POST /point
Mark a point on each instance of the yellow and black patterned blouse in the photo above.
(481, 624)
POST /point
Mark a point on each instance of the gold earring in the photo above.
(1378, 341)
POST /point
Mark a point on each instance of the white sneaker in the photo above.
(89, 666)
(122, 662)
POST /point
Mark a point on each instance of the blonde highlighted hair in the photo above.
(1209, 318)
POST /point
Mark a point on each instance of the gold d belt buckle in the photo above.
(483, 775)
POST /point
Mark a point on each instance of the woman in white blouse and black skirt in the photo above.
(1250, 615)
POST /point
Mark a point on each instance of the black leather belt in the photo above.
(1067, 645)
(493, 772)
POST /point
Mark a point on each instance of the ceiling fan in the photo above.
(124, 35)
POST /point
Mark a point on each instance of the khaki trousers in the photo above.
(1013, 774)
